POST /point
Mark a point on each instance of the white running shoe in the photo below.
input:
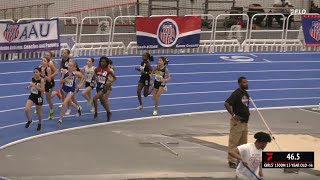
(60, 106)
(155, 113)
(92, 110)
(68, 112)
(165, 88)
(140, 107)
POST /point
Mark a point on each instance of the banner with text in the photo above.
(38, 35)
(311, 29)
(168, 32)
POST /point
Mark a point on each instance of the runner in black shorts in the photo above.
(145, 69)
(35, 97)
(55, 72)
(101, 77)
(88, 71)
(162, 76)
(46, 73)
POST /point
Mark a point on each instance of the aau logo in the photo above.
(11, 32)
(167, 34)
(315, 30)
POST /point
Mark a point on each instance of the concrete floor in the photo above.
(114, 151)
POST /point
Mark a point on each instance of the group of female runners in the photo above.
(101, 77)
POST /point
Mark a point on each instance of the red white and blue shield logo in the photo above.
(11, 32)
(315, 30)
(167, 33)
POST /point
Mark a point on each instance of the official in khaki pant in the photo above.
(238, 106)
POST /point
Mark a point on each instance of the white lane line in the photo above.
(205, 92)
(314, 112)
(227, 72)
(197, 82)
(187, 93)
(192, 64)
(267, 60)
(169, 105)
(129, 120)
(216, 72)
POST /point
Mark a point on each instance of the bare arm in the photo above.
(48, 78)
(168, 75)
(236, 154)
(153, 71)
(113, 76)
(62, 79)
(260, 171)
(42, 86)
(82, 77)
(150, 68)
(228, 108)
(54, 70)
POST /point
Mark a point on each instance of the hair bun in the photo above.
(151, 58)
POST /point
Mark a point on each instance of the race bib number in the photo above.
(159, 78)
(101, 79)
(34, 90)
(39, 100)
(89, 77)
(69, 82)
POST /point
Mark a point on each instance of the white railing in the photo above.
(234, 43)
(120, 33)
(267, 30)
(100, 48)
(100, 34)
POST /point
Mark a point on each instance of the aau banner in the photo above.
(28, 37)
(168, 32)
(311, 29)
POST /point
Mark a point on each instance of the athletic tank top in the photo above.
(89, 72)
(144, 66)
(45, 73)
(65, 63)
(102, 75)
(160, 73)
(70, 81)
(35, 90)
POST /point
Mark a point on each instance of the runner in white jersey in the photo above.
(88, 71)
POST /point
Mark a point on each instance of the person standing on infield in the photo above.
(238, 106)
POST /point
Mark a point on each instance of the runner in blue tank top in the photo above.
(69, 86)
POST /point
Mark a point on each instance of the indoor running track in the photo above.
(200, 82)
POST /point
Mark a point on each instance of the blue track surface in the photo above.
(199, 83)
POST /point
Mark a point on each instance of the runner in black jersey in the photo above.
(162, 76)
(55, 72)
(65, 59)
(144, 82)
(46, 73)
(37, 87)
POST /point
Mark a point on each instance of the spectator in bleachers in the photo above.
(280, 6)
